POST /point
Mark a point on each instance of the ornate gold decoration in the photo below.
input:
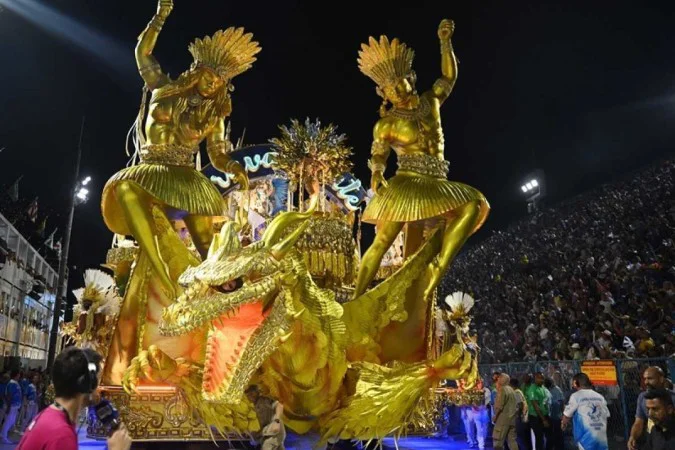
(118, 255)
(153, 414)
(194, 333)
(228, 53)
(385, 62)
(168, 154)
(311, 150)
(329, 250)
(423, 164)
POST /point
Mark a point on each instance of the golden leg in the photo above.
(371, 260)
(136, 205)
(457, 231)
(201, 230)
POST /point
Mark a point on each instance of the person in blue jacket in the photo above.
(14, 398)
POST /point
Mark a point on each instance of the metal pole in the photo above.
(63, 263)
(622, 396)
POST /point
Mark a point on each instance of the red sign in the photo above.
(601, 373)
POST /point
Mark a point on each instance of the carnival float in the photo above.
(249, 270)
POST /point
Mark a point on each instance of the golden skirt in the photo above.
(180, 188)
(412, 197)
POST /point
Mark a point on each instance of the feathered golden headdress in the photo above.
(228, 53)
(386, 62)
(99, 289)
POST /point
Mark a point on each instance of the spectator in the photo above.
(654, 379)
(662, 412)
(13, 397)
(555, 442)
(522, 426)
(506, 410)
(31, 407)
(588, 412)
(589, 275)
(4, 381)
(536, 404)
(75, 376)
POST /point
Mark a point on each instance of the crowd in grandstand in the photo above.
(589, 278)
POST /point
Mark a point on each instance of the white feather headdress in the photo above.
(100, 289)
(460, 304)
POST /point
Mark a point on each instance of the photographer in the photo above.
(75, 378)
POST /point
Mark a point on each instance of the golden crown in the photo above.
(228, 53)
(386, 62)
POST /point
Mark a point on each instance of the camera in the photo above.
(108, 415)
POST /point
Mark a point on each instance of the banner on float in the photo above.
(601, 372)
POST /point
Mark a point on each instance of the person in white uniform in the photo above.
(477, 420)
(587, 411)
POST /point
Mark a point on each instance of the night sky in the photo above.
(582, 90)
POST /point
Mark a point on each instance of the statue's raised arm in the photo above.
(148, 67)
(411, 127)
(443, 86)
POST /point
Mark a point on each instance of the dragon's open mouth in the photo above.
(235, 292)
(228, 340)
(246, 318)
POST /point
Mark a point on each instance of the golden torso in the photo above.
(416, 131)
(173, 120)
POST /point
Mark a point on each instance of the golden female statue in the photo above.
(412, 127)
(182, 113)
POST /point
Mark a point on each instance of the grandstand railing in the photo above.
(621, 399)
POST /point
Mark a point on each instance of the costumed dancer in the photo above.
(96, 302)
(420, 190)
(476, 419)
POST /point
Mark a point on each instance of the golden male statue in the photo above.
(420, 190)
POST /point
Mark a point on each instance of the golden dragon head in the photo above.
(237, 292)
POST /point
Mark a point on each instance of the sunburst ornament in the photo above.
(311, 150)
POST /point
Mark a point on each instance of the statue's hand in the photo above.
(152, 365)
(240, 176)
(377, 181)
(446, 29)
(164, 8)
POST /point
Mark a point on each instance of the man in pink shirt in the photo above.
(75, 378)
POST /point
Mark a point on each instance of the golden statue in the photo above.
(412, 127)
(182, 113)
(145, 200)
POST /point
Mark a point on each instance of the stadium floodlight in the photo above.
(82, 194)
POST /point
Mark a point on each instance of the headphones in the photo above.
(88, 381)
